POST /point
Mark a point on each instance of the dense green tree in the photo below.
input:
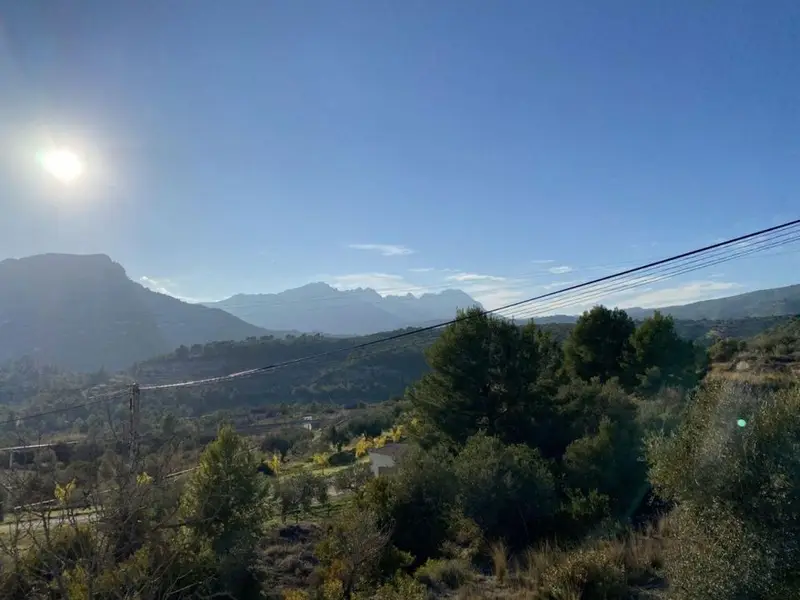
(488, 374)
(275, 443)
(600, 345)
(609, 462)
(370, 424)
(225, 506)
(582, 406)
(423, 489)
(508, 491)
(336, 437)
(661, 358)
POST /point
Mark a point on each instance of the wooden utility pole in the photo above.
(133, 432)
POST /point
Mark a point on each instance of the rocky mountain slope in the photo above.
(83, 313)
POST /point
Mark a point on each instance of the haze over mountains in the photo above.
(320, 308)
(83, 312)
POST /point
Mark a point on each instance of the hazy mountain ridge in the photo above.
(321, 308)
(760, 303)
(82, 312)
(772, 302)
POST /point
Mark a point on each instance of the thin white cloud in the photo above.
(422, 270)
(560, 270)
(694, 291)
(383, 249)
(166, 287)
(543, 261)
(560, 284)
(474, 277)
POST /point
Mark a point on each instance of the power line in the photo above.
(62, 409)
(580, 286)
(655, 276)
(518, 280)
(589, 294)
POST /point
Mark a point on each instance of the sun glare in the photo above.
(63, 164)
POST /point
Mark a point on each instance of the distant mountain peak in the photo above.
(321, 308)
(83, 312)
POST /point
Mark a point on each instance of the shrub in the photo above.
(340, 459)
(402, 587)
(444, 573)
(592, 574)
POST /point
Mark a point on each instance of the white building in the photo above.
(383, 460)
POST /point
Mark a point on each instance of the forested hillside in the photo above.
(340, 376)
(604, 467)
(604, 463)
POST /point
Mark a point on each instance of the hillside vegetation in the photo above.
(340, 376)
(603, 467)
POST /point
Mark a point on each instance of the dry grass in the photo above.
(499, 555)
(629, 567)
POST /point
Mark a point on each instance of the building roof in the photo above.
(394, 451)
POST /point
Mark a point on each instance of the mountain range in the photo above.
(82, 312)
(320, 308)
(761, 303)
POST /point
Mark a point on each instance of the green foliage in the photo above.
(353, 549)
(336, 437)
(508, 491)
(342, 458)
(514, 441)
(401, 587)
(487, 374)
(370, 424)
(661, 358)
(608, 462)
(441, 574)
(738, 488)
(353, 478)
(225, 502)
(724, 350)
(600, 345)
(423, 489)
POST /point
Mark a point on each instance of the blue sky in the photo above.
(252, 146)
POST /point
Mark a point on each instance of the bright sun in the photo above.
(63, 164)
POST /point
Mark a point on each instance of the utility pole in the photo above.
(134, 424)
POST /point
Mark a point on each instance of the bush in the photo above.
(444, 573)
(726, 349)
(68, 547)
(592, 574)
(734, 470)
(340, 459)
(402, 587)
(508, 490)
